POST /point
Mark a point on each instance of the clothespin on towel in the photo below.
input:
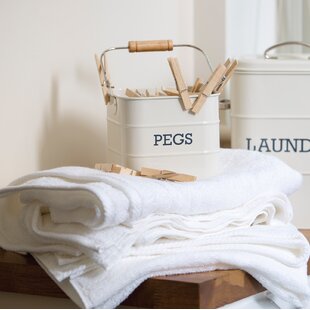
(146, 172)
(166, 175)
(104, 87)
(107, 167)
(182, 88)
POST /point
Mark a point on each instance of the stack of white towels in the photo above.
(100, 235)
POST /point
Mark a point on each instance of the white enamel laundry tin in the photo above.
(155, 132)
(270, 112)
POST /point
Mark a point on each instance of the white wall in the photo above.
(250, 26)
(293, 24)
(51, 106)
(210, 33)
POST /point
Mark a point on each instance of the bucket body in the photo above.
(155, 132)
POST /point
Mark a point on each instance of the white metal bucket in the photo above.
(155, 132)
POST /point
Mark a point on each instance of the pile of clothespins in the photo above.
(146, 172)
(215, 84)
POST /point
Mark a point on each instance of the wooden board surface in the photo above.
(21, 274)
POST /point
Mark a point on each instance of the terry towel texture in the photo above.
(90, 227)
(97, 199)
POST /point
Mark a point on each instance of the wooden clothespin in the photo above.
(104, 167)
(131, 93)
(104, 87)
(196, 85)
(166, 175)
(181, 177)
(230, 68)
(137, 91)
(151, 93)
(149, 172)
(146, 172)
(141, 92)
(208, 88)
(161, 93)
(171, 91)
(115, 168)
(181, 86)
(120, 169)
(226, 64)
(173, 176)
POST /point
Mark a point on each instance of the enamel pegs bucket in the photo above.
(154, 131)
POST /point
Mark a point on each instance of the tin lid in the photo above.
(285, 63)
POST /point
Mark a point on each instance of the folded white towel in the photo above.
(279, 265)
(100, 199)
(108, 245)
(117, 229)
(255, 237)
(65, 205)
